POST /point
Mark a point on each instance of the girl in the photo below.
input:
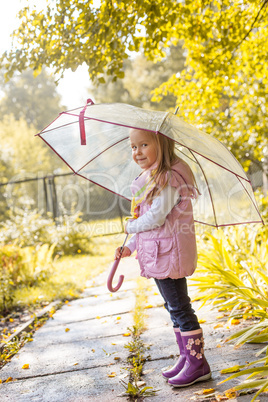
(164, 238)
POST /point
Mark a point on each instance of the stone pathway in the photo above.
(79, 355)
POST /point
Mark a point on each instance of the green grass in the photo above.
(70, 274)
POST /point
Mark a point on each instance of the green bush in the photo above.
(28, 228)
(20, 267)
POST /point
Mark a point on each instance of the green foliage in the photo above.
(232, 271)
(223, 87)
(28, 228)
(141, 77)
(21, 267)
(232, 275)
(33, 99)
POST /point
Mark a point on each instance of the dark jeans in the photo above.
(178, 303)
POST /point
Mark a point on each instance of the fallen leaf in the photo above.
(9, 379)
(98, 317)
(201, 321)
(230, 393)
(219, 345)
(25, 366)
(127, 334)
(113, 374)
(219, 325)
(93, 350)
(234, 321)
(75, 364)
(208, 391)
(149, 306)
(67, 329)
(116, 358)
(113, 343)
(11, 320)
(118, 318)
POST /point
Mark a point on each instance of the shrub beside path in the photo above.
(79, 354)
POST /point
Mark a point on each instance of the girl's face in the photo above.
(144, 148)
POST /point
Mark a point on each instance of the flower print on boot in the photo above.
(196, 367)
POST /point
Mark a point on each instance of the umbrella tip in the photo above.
(176, 111)
(90, 102)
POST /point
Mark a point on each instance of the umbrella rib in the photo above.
(223, 167)
(253, 201)
(53, 149)
(210, 195)
(106, 149)
(99, 185)
(55, 128)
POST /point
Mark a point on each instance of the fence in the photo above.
(60, 194)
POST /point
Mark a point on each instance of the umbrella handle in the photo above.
(111, 277)
(113, 271)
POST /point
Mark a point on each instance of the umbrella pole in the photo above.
(113, 271)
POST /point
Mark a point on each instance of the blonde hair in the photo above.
(166, 158)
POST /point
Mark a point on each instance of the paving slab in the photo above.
(80, 354)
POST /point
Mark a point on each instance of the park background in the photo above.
(209, 58)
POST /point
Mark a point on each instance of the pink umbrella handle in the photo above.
(113, 271)
(111, 277)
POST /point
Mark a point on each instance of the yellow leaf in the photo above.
(149, 306)
(220, 325)
(116, 358)
(93, 350)
(201, 321)
(25, 366)
(98, 317)
(234, 321)
(9, 379)
(11, 320)
(113, 374)
(118, 318)
(67, 329)
(75, 364)
(0, 381)
(208, 391)
(219, 345)
(113, 343)
(230, 393)
(126, 334)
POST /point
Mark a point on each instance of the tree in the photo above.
(225, 43)
(35, 99)
(141, 77)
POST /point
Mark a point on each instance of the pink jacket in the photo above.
(170, 250)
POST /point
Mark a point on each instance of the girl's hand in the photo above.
(125, 253)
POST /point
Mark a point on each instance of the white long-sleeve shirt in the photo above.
(155, 216)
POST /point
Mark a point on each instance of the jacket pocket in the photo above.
(157, 256)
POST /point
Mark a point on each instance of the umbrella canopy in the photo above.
(105, 158)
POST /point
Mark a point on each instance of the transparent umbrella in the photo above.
(94, 142)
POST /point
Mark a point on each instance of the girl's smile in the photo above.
(144, 149)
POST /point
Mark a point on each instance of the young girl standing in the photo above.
(164, 237)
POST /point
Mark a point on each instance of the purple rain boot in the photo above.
(182, 358)
(196, 367)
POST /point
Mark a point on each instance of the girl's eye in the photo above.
(144, 145)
